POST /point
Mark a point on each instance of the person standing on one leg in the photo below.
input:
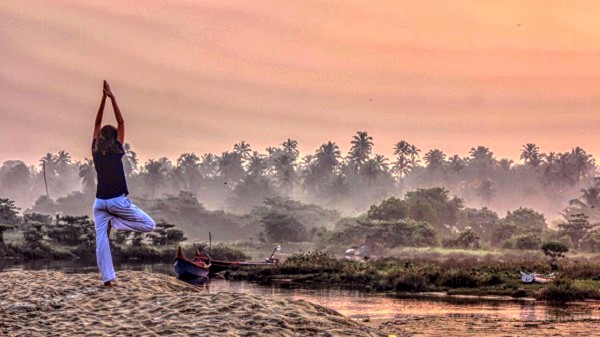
(112, 208)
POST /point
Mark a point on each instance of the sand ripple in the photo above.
(49, 303)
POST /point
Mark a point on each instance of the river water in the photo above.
(361, 304)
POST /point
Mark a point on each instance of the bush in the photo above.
(223, 253)
(527, 242)
(460, 279)
(561, 290)
(502, 233)
(72, 231)
(280, 227)
(389, 209)
(166, 235)
(467, 239)
(591, 241)
(411, 282)
(554, 249)
(34, 226)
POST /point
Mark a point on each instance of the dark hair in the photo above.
(107, 141)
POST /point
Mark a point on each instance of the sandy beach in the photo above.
(477, 326)
(42, 303)
(50, 303)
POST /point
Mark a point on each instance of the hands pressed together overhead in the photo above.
(107, 91)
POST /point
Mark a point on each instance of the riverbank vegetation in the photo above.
(580, 279)
(39, 236)
(420, 211)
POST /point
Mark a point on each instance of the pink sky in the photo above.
(194, 76)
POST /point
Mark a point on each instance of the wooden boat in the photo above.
(193, 271)
(219, 266)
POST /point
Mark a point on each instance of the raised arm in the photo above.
(98, 122)
(118, 115)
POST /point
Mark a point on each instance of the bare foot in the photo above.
(108, 284)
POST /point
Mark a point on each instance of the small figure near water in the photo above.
(538, 278)
(112, 208)
(357, 252)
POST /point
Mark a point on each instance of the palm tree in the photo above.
(290, 147)
(402, 148)
(62, 161)
(166, 164)
(550, 158)
(187, 165)
(588, 203)
(48, 164)
(130, 163)
(285, 172)
(257, 165)
(486, 191)
(49, 161)
(189, 161)
(271, 150)
(327, 158)
(154, 175)
(530, 153)
(338, 189)
(456, 163)
(505, 164)
(307, 160)
(435, 159)
(362, 145)
(414, 155)
(583, 163)
(242, 149)
(311, 179)
(589, 198)
(562, 173)
(230, 167)
(209, 165)
(382, 162)
(482, 160)
(373, 169)
(403, 166)
(87, 175)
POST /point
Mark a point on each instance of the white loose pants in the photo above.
(122, 215)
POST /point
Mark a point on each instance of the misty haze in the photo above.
(299, 168)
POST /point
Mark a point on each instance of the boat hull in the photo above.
(219, 266)
(191, 271)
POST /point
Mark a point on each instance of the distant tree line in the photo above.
(430, 217)
(241, 178)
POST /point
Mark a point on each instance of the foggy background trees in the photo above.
(223, 191)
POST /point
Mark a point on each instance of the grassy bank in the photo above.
(487, 275)
(144, 253)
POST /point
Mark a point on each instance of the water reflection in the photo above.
(359, 304)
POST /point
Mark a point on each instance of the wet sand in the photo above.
(42, 303)
(473, 325)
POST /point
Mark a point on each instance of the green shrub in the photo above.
(467, 239)
(527, 242)
(72, 230)
(561, 289)
(554, 249)
(166, 235)
(223, 253)
(278, 227)
(460, 279)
